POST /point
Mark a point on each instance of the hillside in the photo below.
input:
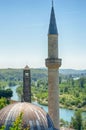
(72, 85)
(17, 74)
(72, 72)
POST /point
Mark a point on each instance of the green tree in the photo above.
(76, 121)
(3, 102)
(82, 82)
(2, 128)
(84, 125)
(18, 124)
(9, 93)
(6, 93)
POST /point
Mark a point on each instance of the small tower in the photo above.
(26, 84)
(53, 63)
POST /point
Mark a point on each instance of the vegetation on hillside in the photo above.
(72, 87)
(72, 92)
(4, 102)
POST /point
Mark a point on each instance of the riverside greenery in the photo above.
(72, 93)
(4, 102)
(72, 90)
(72, 87)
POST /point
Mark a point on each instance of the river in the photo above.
(15, 95)
(65, 114)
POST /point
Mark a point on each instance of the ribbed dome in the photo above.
(33, 115)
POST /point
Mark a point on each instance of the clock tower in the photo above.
(26, 84)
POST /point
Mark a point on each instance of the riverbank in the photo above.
(65, 113)
(45, 103)
(63, 128)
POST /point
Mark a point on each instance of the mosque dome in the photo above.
(33, 116)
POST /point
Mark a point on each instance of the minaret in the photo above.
(53, 63)
(26, 84)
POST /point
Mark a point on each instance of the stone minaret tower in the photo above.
(26, 84)
(53, 63)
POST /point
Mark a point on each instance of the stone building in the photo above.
(26, 84)
(53, 63)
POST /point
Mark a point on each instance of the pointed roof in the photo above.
(26, 67)
(52, 25)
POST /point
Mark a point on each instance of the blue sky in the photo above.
(24, 27)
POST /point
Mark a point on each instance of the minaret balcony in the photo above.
(53, 63)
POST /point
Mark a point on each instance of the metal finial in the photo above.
(52, 3)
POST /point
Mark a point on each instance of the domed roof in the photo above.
(33, 115)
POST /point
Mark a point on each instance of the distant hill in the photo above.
(72, 71)
(39, 73)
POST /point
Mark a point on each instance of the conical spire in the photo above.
(52, 25)
(52, 2)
